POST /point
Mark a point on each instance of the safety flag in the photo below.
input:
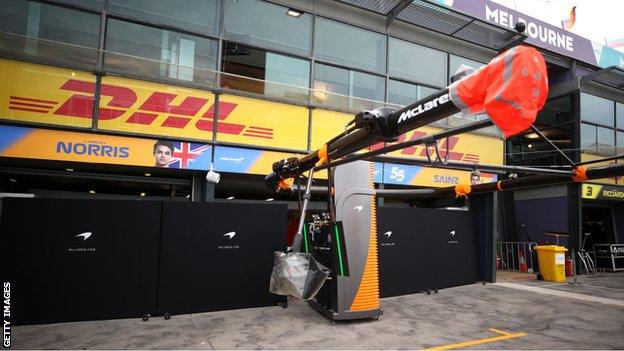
(511, 89)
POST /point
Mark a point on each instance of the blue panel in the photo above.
(9, 135)
(235, 160)
(399, 174)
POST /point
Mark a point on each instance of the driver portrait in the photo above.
(163, 150)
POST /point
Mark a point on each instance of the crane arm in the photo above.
(511, 89)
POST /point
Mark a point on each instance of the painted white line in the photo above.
(560, 293)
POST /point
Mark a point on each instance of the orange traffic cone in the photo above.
(522, 261)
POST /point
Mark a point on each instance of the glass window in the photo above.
(158, 53)
(404, 94)
(620, 139)
(588, 136)
(365, 87)
(331, 79)
(606, 141)
(619, 114)
(265, 24)
(30, 21)
(90, 4)
(414, 62)
(596, 109)
(350, 46)
(556, 111)
(606, 136)
(556, 121)
(347, 82)
(194, 15)
(43, 21)
(456, 61)
(270, 73)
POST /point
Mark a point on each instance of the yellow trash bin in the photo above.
(551, 260)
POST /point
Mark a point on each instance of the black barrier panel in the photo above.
(450, 247)
(482, 208)
(217, 256)
(76, 260)
(402, 263)
(421, 249)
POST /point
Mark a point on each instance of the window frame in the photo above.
(349, 69)
(385, 35)
(222, 34)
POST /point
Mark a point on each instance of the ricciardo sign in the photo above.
(602, 192)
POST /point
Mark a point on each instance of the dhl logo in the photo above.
(442, 146)
(122, 99)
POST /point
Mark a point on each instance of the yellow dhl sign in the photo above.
(42, 94)
(48, 95)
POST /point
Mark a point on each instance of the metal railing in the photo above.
(516, 256)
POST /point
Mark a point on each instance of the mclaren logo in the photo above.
(84, 236)
(358, 208)
(227, 244)
(452, 241)
(386, 241)
(423, 108)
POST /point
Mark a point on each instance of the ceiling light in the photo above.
(294, 13)
(530, 146)
(13, 180)
(69, 169)
(148, 174)
(269, 199)
(91, 191)
(231, 198)
(532, 136)
(142, 194)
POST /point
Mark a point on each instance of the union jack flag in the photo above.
(184, 153)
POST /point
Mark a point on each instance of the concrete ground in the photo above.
(515, 313)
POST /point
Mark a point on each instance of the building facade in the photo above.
(120, 98)
(100, 82)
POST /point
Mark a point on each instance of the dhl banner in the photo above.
(326, 125)
(250, 161)
(264, 123)
(602, 192)
(50, 95)
(42, 94)
(390, 173)
(46, 144)
(467, 147)
(136, 106)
